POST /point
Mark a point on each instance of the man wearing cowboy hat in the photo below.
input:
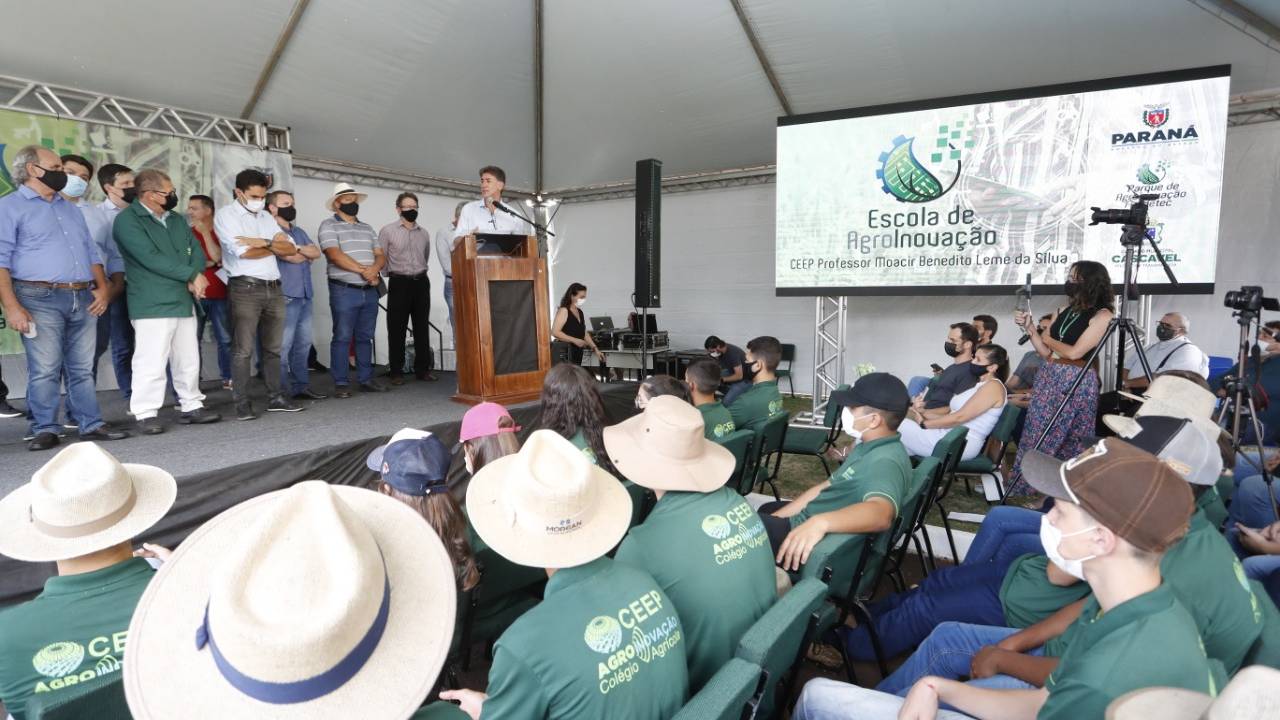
(605, 642)
(251, 241)
(355, 261)
(702, 542)
(318, 601)
(1119, 509)
(81, 510)
(486, 215)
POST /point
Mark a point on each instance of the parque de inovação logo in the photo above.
(908, 178)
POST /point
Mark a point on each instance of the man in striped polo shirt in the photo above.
(355, 260)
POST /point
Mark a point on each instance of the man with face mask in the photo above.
(730, 357)
(53, 289)
(407, 248)
(355, 266)
(864, 495)
(761, 399)
(295, 283)
(251, 241)
(167, 267)
(117, 184)
(1119, 510)
(1173, 350)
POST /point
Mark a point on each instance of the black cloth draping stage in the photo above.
(203, 495)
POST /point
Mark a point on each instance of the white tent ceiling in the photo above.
(440, 87)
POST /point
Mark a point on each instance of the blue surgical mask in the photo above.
(75, 186)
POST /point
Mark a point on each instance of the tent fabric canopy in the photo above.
(445, 86)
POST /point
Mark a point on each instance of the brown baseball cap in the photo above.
(1130, 491)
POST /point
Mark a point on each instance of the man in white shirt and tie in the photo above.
(1172, 351)
(251, 241)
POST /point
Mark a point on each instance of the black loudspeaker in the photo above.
(648, 233)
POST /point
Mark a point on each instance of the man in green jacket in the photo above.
(165, 268)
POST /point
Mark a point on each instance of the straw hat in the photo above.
(82, 501)
(1253, 694)
(665, 448)
(1170, 396)
(340, 189)
(317, 601)
(548, 506)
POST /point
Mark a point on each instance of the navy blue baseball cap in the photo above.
(414, 462)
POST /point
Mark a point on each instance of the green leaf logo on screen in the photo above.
(904, 175)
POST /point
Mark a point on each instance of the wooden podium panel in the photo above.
(502, 336)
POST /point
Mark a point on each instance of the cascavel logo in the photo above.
(908, 178)
(58, 659)
(603, 634)
(716, 527)
(1155, 115)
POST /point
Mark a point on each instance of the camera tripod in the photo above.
(1240, 395)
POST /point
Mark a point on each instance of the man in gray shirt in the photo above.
(445, 243)
(962, 340)
(407, 248)
(355, 263)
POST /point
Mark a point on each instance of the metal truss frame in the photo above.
(831, 316)
(31, 96)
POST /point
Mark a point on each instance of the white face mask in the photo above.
(254, 205)
(75, 186)
(581, 301)
(847, 419)
(466, 461)
(1051, 538)
(715, 354)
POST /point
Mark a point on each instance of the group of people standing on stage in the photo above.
(132, 274)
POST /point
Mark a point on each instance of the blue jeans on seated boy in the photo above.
(948, 652)
(1007, 533)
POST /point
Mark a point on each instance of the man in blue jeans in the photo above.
(117, 184)
(355, 262)
(295, 283)
(53, 289)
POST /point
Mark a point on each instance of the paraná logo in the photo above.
(1155, 115)
(603, 634)
(58, 659)
(716, 526)
(909, 178)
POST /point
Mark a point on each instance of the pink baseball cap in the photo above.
(482, 420)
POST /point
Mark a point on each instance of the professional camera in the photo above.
(1135, 214)
(1249, 299)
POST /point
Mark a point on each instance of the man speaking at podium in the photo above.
(485, 215)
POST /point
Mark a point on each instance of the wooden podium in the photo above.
(502, 335)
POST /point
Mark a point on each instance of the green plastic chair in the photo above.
(788, 357)
(989, 461)
(99, 699)
(731, 694)
(771, 435)
(739, 442)
(815, 440)
(777, 641)
(947, 452)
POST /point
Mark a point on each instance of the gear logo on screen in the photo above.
(908, 178)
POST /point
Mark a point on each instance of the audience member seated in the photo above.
(1266, 377)
(962, 339)
(732, 374)
(549, 507)
(487, 433)
(1173, 350)
(571, 406)
(1118, 510)
(81, 510)
(414, 469)
(762, 399)
(658, 385)
(863, 495)
(1259, 552)
(986, 326)
(702, 542)
(703, 377)
(318, 601)
(977, 408)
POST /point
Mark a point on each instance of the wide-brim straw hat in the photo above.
(317, 601)
(1253, 694)
(340, 189)
(83, 500)
(665, 448)
(548, 506)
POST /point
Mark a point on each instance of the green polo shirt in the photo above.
(579, 441)
(71, 633)
(716, 420)
(1210, 503)
(703, 548)
(439, 710)
(756, 404)
(879, 468)
(1028, 597)
(1208, 580)
(604, 642)
(1148, 641)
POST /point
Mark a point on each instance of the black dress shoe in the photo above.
(244, 411)
(309, 394)
(9, 411)
(102, 434)
(427, 376)
(199, 416)
(281, 404)
(397, 380)
(342, 392)
(43, 441)
(318, 367)
(150, 426)
(373, 386)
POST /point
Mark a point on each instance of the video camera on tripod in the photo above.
(1135, 214)
(1247, 304)
(1249, 299)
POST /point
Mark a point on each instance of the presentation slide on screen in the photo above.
(969, 196)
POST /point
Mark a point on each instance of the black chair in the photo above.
(770, 436)
(788, 357)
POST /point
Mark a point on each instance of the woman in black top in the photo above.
(1074, 332)
(570, 324)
